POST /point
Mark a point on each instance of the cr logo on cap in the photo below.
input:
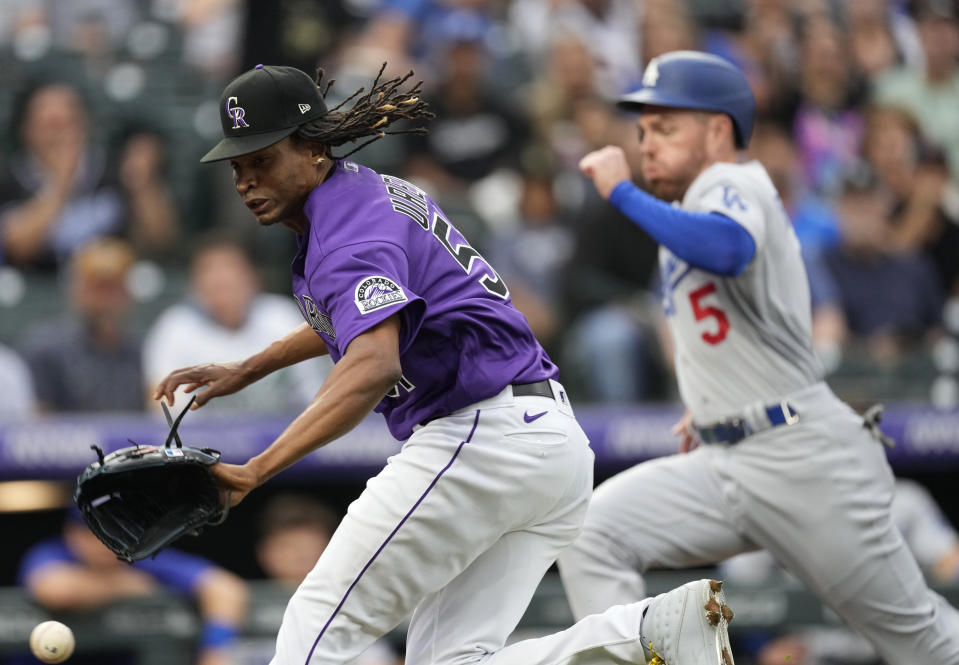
(236, 112)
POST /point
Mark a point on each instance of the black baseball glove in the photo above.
(139, 499)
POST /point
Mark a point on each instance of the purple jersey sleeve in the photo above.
(378, 245)
(365, 284)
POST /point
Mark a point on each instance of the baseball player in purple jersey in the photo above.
(784, 465)
(495, 476)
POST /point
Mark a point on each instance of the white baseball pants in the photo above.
(815, 494)
(461, 525)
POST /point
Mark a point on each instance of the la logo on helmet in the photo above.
(236, 113)
(651, 75)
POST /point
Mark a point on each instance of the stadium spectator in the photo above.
(551, 99)
(18, 15)
(91, 31)
(91, 361)
(476, 140)
(211, 30)
(227, 316)
(926, 201)
(612, 344)
(760, 41)
(666, 26)
(59, 193)
(892, 146)
(865, 264)
(147, 196)
(871, 42)
(930, 94)
(475, 131)
(609, 29)
(300, 34)
(410, 34)
(16, 386)
(593, 126)
(828, 125)
(532, 254)
(71, 25)
(292, 532)
(76, 572)
(814, 220)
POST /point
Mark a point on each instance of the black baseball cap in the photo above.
(263, 106)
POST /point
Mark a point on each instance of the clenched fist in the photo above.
(607, 168)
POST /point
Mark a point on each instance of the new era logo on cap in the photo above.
(304, 108)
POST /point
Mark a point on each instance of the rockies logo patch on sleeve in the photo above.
(376, 292)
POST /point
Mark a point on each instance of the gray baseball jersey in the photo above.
(815, 491)
(745, 339)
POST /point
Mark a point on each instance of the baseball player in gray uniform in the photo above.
(495, 475)
(784, 464)
(930, 538)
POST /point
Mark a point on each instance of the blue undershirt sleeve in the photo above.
(175, 570)
(709, 241)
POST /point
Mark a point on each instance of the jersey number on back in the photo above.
(702, 312)
(466, 255)
(410, 200)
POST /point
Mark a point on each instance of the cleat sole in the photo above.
(719, 614)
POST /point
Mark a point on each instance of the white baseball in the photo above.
(52, 642)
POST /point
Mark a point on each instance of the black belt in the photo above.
(735, 430)
(535, 389)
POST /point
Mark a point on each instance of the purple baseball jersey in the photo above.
(377, 246)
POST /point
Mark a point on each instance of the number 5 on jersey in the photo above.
(466, 256)
(702, 312)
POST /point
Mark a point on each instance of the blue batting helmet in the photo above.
(694, 80)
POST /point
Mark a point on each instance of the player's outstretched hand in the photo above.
(607, 168)
(684, 428)
(219, 379)
(235, 481)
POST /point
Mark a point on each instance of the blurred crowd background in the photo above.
(122, 258)
(116, 244)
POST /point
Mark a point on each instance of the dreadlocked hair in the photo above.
(370, 115)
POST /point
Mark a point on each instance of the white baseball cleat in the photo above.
(688, 626)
